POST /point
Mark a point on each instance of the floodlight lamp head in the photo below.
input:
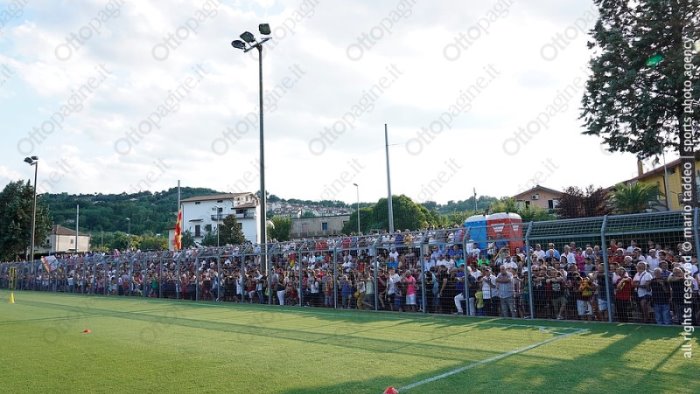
(248, 37)
(238, 44)
(264, 28)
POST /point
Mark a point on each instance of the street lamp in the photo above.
(249, 42)
(33, 161)
(358, 208)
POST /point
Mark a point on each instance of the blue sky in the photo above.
(462, 78)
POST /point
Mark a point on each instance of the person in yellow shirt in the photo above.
(479, 295)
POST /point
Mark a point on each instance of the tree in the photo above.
(187, 239)
(645, 77)
(527, 214)
(280, 228)
(505, 204)
(211, 239)
(577, 203)
(407, 215)
(153, 242)
(457, 218)
(16, 208)
(231, 232)
(366, 214)
(633, 198)
(120, 241)
(535, 214)
(308, 214)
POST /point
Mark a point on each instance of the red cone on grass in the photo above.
(391, 390)
(87, 331)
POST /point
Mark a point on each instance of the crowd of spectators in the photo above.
(434, 271)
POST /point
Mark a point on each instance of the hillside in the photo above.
(147, 211)
(150, 212)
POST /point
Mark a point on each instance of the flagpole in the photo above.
(178, 222)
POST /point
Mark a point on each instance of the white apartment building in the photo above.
(203, 214)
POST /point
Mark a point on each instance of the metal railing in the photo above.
(420, 271)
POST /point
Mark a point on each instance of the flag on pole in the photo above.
(177, 242)
(50, 263)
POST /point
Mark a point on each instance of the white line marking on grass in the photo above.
(489, 360)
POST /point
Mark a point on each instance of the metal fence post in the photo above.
(335, 277)
(374, 264)
(608, 281)
(424, 298)
(467, 274)
(300, 279)
(528, 260)
(196, 278)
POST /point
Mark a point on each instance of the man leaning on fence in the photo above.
(504, 282)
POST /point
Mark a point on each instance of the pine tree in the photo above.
(643, 54)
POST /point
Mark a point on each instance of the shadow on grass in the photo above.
(375, 385)
(602, 370)
(610, 366)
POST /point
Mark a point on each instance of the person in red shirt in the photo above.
(623, 295)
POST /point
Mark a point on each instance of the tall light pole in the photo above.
(249, 42)
(389, 202)
(358, 208)
(33, 161)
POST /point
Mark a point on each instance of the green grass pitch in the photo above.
(152, 345)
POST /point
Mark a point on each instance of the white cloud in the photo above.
(316, 42)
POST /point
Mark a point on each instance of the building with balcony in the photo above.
(538, 196)
(203, 214)
(668, 182)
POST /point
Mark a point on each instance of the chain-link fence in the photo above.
(574, 269)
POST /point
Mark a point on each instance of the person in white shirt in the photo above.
(511, 264)
(394, 279)
(488, 289)
(570, 255)
(502, 257)
(469, 247)
(640, 282)
(450, 263)
(441, 261)
(476, 251)
(429, 263)
(538, 253)
(519, 253)
(652, 260)
(435, 255)
(588, 253)
(394, 254)
(693, 266)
